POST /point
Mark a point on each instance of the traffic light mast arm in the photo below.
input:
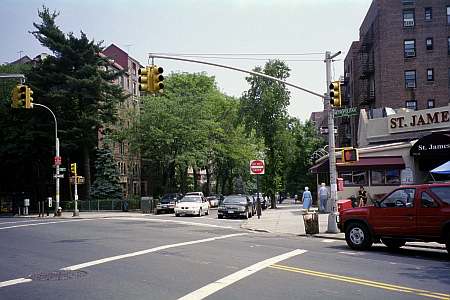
(236, 69)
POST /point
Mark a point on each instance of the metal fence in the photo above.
(102, 205)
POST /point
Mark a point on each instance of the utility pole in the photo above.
(332, 225)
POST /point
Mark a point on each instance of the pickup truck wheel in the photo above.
(358, 237)
(448, 244)
(393, 243)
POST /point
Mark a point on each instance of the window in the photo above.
(408, 17)
(443, 192)
(409, 47)
(411, 104)
(448, 15)
(426, 201)
(448, 45)
(428, 13)
(385, 177)
(410, 79)
(429, 43)
(408, 2)
(400, 198)
(430, 103)
(354, 177)
(430, 76)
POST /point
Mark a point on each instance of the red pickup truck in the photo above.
(409, 213)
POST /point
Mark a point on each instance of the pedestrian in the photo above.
(323, 198)
(307, 199)
(362, 196)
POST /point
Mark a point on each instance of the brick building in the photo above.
(402, 60)
(128, 162)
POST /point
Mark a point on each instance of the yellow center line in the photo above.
(365, 282)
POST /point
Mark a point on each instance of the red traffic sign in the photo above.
(257, 167)
(57, 160)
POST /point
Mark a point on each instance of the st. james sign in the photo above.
(415, 121)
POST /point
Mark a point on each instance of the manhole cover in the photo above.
(57, 275)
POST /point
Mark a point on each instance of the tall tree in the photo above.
(264, 109)
(77, 83)
(106, 185)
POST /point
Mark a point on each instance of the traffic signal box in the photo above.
(73, 169)
(151, 79)
(335, 94)
(21, 97)
(350, 155)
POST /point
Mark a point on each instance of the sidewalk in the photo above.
(89, 215)
(287, 219)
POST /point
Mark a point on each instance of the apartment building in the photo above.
(128, 162)
(402, 60)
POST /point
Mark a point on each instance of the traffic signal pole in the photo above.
(332, 225)
(56, 154)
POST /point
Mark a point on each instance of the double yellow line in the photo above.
(375, 284)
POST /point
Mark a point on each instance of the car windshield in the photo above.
(168, 198)
(235, 200)
(191, 199)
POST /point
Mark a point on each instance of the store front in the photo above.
(395, 150)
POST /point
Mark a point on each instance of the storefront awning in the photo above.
(394, 162)
(432, 145)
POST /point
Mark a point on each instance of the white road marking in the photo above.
(15, 222)
(217, 285)
(173, 221)
(44, 223)
(328, 241)
(113, 258)
(14, 281)
(351, 253)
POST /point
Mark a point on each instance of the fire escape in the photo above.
(367, 71)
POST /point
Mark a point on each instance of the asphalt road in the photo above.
(163, 257)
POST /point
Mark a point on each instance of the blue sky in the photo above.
(204, 26)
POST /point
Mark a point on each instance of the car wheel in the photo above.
(156, 212)
(358, 237)
(207, 212)
(393, 243)
(448, 244)
(200, 212)
(219, 216)
(177, 215)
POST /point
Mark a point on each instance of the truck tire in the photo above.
(448, 244)
(393, 243)
(358, 236)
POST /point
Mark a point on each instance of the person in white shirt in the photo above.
(323, 198)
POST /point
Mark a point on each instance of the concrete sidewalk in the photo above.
(89, 215)
(288, 219)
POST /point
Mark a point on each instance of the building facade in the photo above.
(402, 60)
(128, 162)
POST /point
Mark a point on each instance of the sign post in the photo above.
(257, 168)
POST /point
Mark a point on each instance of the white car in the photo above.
(192, 205)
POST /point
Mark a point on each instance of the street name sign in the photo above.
(346, 112)
(257, 167)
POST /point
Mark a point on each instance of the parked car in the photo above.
(167, 203)
(192, 205)
(409, 213)
(213, 201)
(195, 194)
(236, 206)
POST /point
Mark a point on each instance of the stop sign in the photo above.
(257, 167)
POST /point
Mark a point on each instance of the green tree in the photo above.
(106, 183)
(264, 109)
(76, 82)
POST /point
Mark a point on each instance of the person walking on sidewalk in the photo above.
(307, 199)
(323, 198)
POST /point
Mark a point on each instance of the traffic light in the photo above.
(157, 78)
(350, 155)
(15, 97)
(22, 96)
(335, 94)
(28, 98)
(144, 79)
(73, 168)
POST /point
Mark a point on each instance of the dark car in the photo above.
(236, 206)
(167, 203)
(407, 214)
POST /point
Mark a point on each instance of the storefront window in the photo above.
(354, 177)
(385, 177)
